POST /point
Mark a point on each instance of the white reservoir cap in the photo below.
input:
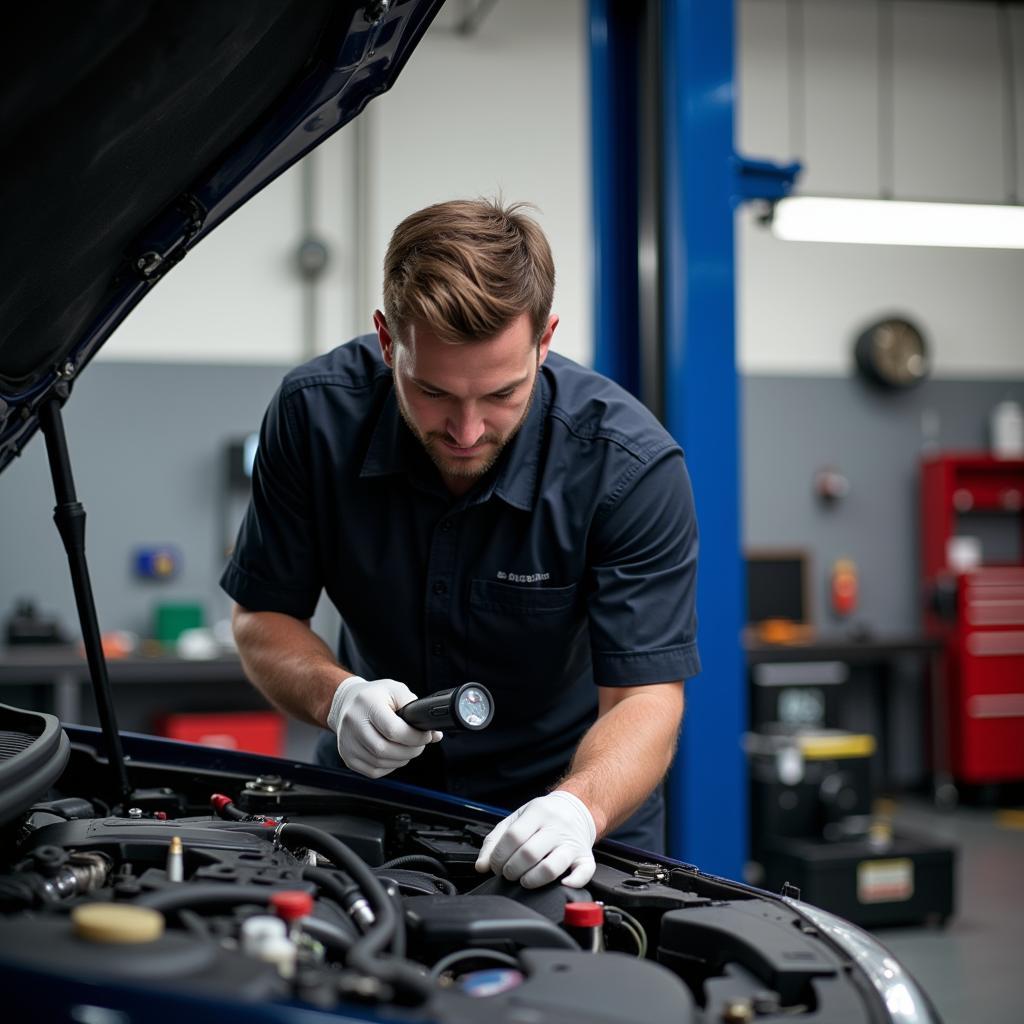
(260, 930)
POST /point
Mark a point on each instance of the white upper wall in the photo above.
(501, 111)
(800, 305)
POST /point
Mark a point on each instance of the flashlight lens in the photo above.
(474, 707)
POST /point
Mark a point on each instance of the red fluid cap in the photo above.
(219, 801)
(160, 815)
(290, 906)
(583, 915)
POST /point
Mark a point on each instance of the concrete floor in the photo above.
(973, 969)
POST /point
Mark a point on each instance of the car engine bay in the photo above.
(217, 884)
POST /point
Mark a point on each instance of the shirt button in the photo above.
(436, 649)
(440, 587)
(446, 525)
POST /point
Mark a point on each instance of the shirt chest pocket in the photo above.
(528, 633)
(508, 599)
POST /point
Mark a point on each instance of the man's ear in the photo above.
(545, 339)
(387, 344)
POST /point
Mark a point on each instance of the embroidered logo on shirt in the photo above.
(532, 577)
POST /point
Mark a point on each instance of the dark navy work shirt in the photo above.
(571, 563)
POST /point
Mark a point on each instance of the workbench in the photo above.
(56, 680)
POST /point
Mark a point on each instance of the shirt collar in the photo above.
(519, 466)
(387, 451)
(392, 449)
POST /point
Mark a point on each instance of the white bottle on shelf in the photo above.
(1007, 430)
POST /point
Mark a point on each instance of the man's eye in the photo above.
(504, 395)
(431, 394)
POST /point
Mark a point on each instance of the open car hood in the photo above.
(132, 128)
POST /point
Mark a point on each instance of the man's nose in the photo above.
(465, 426)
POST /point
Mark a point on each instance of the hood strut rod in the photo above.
(69, 515)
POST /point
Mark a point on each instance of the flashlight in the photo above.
(469, 706)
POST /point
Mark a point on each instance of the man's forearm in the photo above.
(626, 752)
(288, 663)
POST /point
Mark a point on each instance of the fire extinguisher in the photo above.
(843, 590)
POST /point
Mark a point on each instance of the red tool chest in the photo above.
(258, 732)
(978, 612)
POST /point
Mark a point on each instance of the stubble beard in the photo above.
(463, 469)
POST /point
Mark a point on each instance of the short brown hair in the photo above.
(467, 268)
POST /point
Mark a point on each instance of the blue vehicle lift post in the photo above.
(666, 182)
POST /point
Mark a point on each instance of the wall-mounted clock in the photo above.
(893, 354)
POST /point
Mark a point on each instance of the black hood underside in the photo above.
(130, 128)
(108, 109)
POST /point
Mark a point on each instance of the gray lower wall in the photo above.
(147, 444)
(792, 426)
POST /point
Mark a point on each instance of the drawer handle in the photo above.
(995, 645)
(996, 705)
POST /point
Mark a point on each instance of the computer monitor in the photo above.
(777, 586)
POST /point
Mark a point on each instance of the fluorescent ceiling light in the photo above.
(894, 222)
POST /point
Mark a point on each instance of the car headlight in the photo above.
(903, 998)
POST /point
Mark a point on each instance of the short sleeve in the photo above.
(275, 565)
(642, 580)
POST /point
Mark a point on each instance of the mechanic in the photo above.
(477, 508)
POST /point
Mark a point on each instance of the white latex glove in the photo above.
(372, 739)
(541, 840)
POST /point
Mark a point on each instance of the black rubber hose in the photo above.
(364, 954)
(337, 888)
(449, 961)
(229, 811)
(340, 890)
(381, 931)
(417, 858)
(333, 937)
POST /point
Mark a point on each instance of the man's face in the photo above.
(464, 402)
